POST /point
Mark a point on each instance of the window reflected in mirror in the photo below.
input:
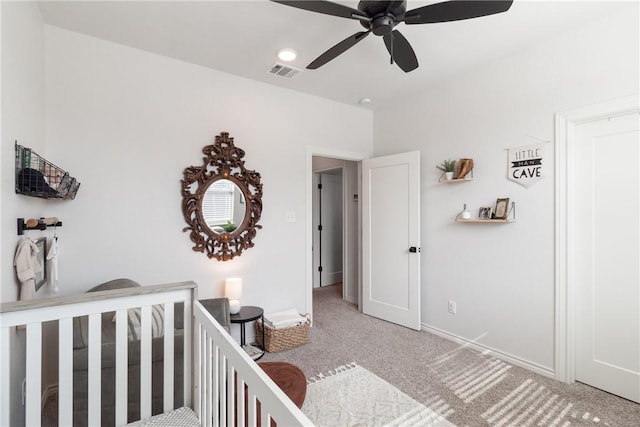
(223, 206)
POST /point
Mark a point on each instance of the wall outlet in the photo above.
(451, 307)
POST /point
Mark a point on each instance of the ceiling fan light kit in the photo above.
(381, 18)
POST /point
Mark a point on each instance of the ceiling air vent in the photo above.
(283, 70)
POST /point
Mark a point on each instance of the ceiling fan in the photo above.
(381, 17)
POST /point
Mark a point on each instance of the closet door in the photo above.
(606, 249)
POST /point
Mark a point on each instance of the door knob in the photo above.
(413, 249)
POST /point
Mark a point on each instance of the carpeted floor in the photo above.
(465, 386)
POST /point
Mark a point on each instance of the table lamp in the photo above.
(233, 291)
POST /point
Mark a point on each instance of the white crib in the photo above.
(211, 359)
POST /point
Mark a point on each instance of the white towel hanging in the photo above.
(53, 257)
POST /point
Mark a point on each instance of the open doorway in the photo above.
(357, 278)
(335, 225)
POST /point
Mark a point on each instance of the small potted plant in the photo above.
(447, 167)
(229, 227)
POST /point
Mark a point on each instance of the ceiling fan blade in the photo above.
(338, 49)
(455, 10)
(327, 8)
(401, 51)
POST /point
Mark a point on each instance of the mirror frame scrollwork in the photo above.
(223, 160)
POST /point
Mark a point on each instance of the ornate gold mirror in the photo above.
(221, 201)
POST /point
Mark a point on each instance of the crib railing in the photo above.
(29, 317)
(216, 357)
(229, 388)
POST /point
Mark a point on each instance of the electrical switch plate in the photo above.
(290, 216)
(452, 307)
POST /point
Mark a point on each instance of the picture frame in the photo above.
(484, 213)
(41, 257)
(502, 208)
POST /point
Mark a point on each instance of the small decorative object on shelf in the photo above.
(37, 177)
(466, 213)
(460, 171)
(503, 213)
(501, 209)
(484, 213)
(447, 167)
(464, 167)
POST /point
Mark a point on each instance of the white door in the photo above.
(391, 238)
(606, 250)
(330, 203)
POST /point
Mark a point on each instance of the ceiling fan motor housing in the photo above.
(384, 15)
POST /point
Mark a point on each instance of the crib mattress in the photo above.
(181, 417)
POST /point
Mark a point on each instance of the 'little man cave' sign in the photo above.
(525, 164)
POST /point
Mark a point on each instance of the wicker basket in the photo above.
(283, 339)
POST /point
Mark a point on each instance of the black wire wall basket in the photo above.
(37, 177)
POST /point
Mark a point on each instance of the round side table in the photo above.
(248, 314)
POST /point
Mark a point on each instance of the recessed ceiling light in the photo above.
(287, 55)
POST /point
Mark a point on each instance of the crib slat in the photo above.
(214, 381)
(251, 410)
(145, 362)
(222, 365)
(65, 370)
(198, 367)
(122, 374)
(197, 371)
(34, 368)
(168, 357)
(94, 371)
(186, 373)
(231, 392)
(207, 404)
(264, 417)
(202, 369)
(240, 407)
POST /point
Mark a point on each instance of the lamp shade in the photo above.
(233, 288)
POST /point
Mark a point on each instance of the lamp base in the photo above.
(234, 306)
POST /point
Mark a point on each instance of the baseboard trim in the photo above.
(514, 360)
(49, 392)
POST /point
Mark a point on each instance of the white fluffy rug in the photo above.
(351, 396)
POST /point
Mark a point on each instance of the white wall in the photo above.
(23, 120)
(502, 276)
(127, 123)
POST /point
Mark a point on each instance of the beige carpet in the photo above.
(352, 396)
(465, 386)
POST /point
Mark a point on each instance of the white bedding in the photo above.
(181, 417)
